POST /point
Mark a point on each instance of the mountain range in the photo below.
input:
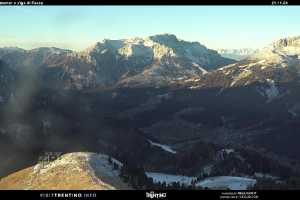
(237, 54)
(191, 111)
(158, 59)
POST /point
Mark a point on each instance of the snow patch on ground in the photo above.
(162, 146)
(265, 176)
(76, 160)
(99, 164)
(271, 92)
(169, 178)
(207, 169)
(294, 110)
(220, 91)
(197, 65)
(226, 67)
(194, 87)
(221, 155)
(228, 151)
(244, 74)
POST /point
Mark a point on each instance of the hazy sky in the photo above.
(78, 27)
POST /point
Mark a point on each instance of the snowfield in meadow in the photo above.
(218, 182)
(231, 182)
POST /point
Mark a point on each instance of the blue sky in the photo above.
(78, 27)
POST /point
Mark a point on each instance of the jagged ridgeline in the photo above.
(156, 60)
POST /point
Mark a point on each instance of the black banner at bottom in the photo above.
(146, 194)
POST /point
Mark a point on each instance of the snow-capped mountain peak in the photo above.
(158, 58)
(237, 54)
(286, 50)
(287, 42)
(155, 60)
